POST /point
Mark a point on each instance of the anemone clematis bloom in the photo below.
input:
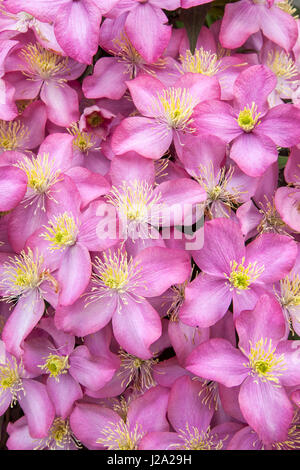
(13, 186)
(36, 71)
(99, 427)
(58, 437)
(76, 23)
(248, 126)
(246, 17)
(231, 271)
(167, 113)
(120, 286)
(190, 417)
(27, 131)
(27, 279)
(264, 365)
(145, 25)
(17, 386)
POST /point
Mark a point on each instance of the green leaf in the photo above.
(193, 20)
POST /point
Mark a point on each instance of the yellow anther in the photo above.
(61, 232)
(248, 118)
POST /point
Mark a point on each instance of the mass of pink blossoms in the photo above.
(149, 225)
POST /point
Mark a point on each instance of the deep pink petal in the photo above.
(218, 360)
(74, 273)
(267, 409)
(37, 407)
(142, 135)
(206, 301)
(254, 153)
(136, 326)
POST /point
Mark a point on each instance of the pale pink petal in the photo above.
(142, 135)
(216, 359)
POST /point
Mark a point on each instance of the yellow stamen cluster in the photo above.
(114, 274)
(288, 7)
(10, 380)
(60, 437)
(115, 270)
(82, 141)
(282, 64)
(177, 301)
(195, 439)
(41, 172)
(132, 58)
(43, 63)
(241, 277)
(174, 107)
(119, 436)
(271, 221)
(137, 372)
(23, 273)
(134, 201)
(293, 440)
(216, 187)
(56, 365)
(290, 291)
(202, 61)
(248, 118)
(61, 232)
(209, 394)
(12, 134)
(264, 363)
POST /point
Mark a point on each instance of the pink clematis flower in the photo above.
(231, 271)
(27, 280)
(264, 365)
(76, 23)
(101, 428)
(190, 417)
(36, 71)
(17, 386)
(273, 17)
(58, 437)
(248, 126)
(167, 113)
(120, 286)
(145, 25)
(25, 132)
(111, 73)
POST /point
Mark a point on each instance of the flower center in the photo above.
(282, 64)
(43, 64)
(290, 291)
(241, 277)
(203, 62)
(12, 134)
(134, 201)
(95, 119)
(56, 365)
(22, 274)
(41, 173)
(248, 118)
(263, 362)
(194, 439)
(61, 232)
(60, 437)
(137, 371)
(121, 437)
(174, 107)
(10, 380)
(114, 274)
(82, 141)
